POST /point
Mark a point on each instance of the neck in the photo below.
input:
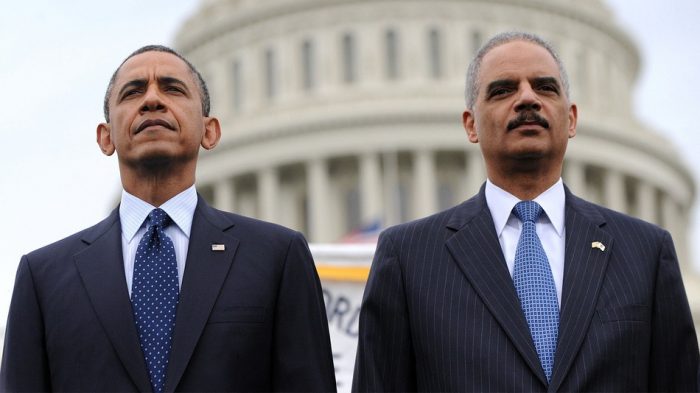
(525, 185)
(156, 186)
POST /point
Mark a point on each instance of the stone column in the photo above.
(225, 195)
(614, 190)
(370, 188)
(424, 186)
(680, 238)
(672, 221)
(476, 172)
(221, 94)
(318, 194)
(392, 203)
(575, 177)
(268, 189)
(646, 202)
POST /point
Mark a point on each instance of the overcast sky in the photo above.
(56, 58)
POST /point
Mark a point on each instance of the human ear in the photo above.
(212, 133)
(468, 123)
(573, 116)
(104, 139)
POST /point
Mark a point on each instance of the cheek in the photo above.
(121, 124)
(122, 134)
(190, 119)
(485, 127)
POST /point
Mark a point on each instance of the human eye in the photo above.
(130, 93)
(548, 87)
(498, 92)
(174, 89)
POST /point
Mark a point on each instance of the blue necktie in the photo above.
(155, 295)
(534, 283)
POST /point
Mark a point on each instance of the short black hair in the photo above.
(203, 91)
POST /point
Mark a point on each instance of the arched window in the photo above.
(581, 75)
(270, 74)
(349, 58)
(476, 41)
(236, 81)
(435, 54)
(308, 69)
(391, 46)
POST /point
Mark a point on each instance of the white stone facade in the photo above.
(341, 113)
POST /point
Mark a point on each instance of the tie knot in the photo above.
(159, 218)
(527, 211)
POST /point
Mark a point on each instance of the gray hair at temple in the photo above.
(471, 90)
(203, 91)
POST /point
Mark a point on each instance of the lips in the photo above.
(153, 122)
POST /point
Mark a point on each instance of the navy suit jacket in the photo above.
(249, 318)
(440, 312)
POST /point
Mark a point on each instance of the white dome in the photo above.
(340, 114)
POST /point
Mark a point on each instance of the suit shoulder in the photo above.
(70, 245)
(421, 225)
(70, 242)
(253, 227)
(624, 223)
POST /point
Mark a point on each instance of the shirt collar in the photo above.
(501, 204)
(133, 211)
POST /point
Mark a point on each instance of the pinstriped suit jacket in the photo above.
(440, 312)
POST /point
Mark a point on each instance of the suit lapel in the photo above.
(584, 271)
(101, 268)
(478, 253)
(205, 272)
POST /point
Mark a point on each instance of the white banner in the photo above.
(343, 270)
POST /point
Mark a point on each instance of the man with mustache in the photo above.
(167, 293)
(524, 287)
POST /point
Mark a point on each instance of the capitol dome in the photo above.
(344, 115)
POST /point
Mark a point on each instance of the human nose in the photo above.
(152, 100)
(528, 100)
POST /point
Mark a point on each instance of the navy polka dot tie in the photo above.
(534, 283)
(154, 296)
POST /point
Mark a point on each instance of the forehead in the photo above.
(153, 65)
(516, 60)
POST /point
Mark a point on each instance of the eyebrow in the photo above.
(544, 80)
(169, 80)
(162, 81)
(541, 80)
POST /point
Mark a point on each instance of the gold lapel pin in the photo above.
(598, 245)
(218, 247)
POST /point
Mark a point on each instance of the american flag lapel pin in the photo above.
(218, 247)
(598, 245)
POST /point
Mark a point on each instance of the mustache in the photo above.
(528, 117)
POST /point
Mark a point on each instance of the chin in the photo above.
(156, 161)
(525, 151)
(528, 156)
(152, 161)
(157, 158)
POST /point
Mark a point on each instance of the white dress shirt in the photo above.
(133, 212)
(549, 227)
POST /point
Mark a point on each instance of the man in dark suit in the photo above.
(524, 287)
(167, 293)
